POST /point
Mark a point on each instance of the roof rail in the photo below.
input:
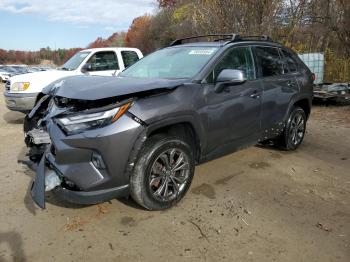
(230, 37)
(257, 37)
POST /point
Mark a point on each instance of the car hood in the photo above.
(99, 87)
(39, 80)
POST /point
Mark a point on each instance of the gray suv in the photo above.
(142, 133)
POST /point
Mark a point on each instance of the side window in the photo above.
(269, 60)
(103, 61)
(129, 58)
(289, 61)
(239, 58)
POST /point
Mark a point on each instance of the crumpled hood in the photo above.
(98, 87)
(39, 80)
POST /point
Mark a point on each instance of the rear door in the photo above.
(129, 57)
(279, 85)
(232, 117)
(103, 63)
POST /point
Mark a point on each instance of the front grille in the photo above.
(7, 85)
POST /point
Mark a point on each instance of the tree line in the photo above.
(304, 25)
(35, 57)
(56, 57)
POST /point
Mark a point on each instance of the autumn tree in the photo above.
(138, 32)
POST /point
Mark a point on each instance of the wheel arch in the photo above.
(301, 101)
(182, 128)
(305, 104)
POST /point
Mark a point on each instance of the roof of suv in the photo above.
(223, 43)
(224, 39)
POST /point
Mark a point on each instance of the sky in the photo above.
(32, 24)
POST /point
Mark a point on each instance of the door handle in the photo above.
(255, 95)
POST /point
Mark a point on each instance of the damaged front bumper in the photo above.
(48, 179)
(90, 167)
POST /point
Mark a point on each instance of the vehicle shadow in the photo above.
(51, 198)
(128, 201)
(14, 241)
(272, 147)
(13, 117)
(28, 171)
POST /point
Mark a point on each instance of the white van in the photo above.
(22, 90)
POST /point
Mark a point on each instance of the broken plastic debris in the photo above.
(51, 181)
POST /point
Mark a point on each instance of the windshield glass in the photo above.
(178, 62)
(10, 69)
(75, 61)
(20, 69)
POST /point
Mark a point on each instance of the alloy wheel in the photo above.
(170, 173)
(297, 129)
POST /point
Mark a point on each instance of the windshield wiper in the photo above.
(65, 69)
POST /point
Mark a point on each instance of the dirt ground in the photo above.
(259, 204)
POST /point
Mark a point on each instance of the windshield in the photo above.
(20, 69)
(10, 70)
(6, 69)
(178, 62)
(74, 62)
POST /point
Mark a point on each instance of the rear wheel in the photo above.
(294, 133)
(163, 172)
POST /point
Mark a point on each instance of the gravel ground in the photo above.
(259, 204)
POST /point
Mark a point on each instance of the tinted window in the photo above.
(290, 63)
(269, 60)
(238, 58)
(102, 61)
(129, 58)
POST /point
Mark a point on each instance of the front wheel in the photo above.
(163, 172)
(294, 132)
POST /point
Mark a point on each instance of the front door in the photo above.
(232, 117)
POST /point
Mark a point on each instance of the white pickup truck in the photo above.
(21, 91)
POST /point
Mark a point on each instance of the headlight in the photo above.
(20, 86)
(77, 123)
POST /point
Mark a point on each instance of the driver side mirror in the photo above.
(229, 77)
(86, 68)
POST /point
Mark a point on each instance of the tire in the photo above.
(294, 132)
(156, 185)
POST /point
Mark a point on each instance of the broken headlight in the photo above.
(76, 123)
